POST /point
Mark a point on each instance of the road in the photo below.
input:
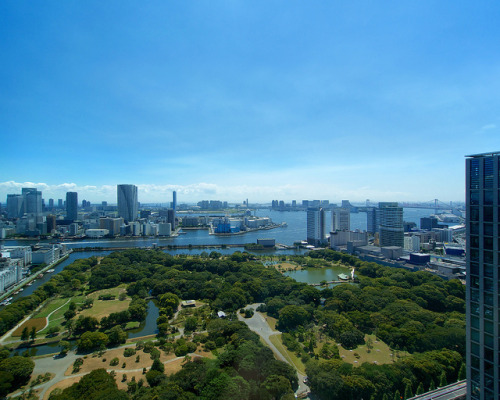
(259, 325)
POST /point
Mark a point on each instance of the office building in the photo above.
(111, 224)
(412, 243)
(127, 202)
(316, 226)
(391, 224)
(372, 220)
(32, 201)
(428, 223)
(51, 223)
(15, 205)
(174, 200)
(483, 275)
(341, 219)
(72, 206)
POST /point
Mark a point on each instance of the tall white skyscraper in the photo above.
(128, 205)
(316, 226)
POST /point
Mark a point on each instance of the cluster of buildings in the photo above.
(212, 205)
(280, 205)
(15, 261)
(390, 241)
(27, 215)
(240, 224)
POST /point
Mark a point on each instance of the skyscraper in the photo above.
(127, 202)
(15, 205)
(316, 226)
(174, 200)
(72, 206)
(391, 224)
(483, 275)
(32, 201)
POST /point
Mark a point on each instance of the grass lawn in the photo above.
(379, 354)
(287, 266)
(38, 323)
(296, 361)
(132, 325)
(113, 291)
(103, 308)
(60, 313)
(50, 306)
(271, 321)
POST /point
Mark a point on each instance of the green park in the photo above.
(392, 333)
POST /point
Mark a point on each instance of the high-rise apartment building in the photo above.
(72, 206)
(391, 224)
(341, 219)
(483, 275)
(316, 226)
(174, 200)
(128, 205)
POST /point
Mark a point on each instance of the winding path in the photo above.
(259, 325)
(47, 318)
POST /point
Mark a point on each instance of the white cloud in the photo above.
(333, 189)
(488, 127)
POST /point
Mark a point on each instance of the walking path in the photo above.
(259, 325)
(9, 333)
(47, 318)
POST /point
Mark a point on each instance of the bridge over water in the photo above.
(435, 204)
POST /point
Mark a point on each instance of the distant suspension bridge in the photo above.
(431, 204)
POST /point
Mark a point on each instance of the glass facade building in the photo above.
(483, 220)
(391, 224)
(72, 206)
(128, 205)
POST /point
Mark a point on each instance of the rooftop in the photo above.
(489, 154)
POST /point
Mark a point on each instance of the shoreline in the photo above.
(34, 276)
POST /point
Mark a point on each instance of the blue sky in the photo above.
(260, 99)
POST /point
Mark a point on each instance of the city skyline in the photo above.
(265, 100)
(162, 194)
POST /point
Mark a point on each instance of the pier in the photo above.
(331, 282)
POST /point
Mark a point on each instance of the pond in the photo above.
(316, 275)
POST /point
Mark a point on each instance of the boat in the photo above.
(343, 277)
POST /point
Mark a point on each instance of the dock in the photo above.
(331, 282)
